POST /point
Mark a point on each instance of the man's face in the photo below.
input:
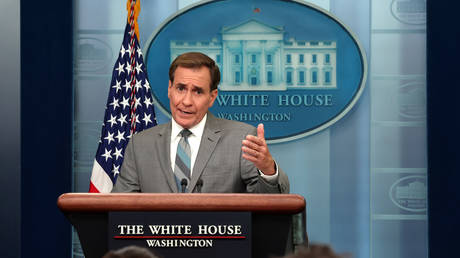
(190, 96)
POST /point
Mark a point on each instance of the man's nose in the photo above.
(187, 100)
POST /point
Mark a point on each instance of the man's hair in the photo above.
(315, 251)
(131, 251)
(196, 60)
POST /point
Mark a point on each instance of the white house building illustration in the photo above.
(414, 190)
(254, 56)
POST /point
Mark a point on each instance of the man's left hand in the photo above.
(255, 149)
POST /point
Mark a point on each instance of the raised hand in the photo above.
(255, 149)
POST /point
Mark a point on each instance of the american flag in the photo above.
(129, 110)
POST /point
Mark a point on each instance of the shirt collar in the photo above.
(197, 130)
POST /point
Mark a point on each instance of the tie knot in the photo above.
(185, 133)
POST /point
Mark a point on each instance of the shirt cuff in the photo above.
(273, 179)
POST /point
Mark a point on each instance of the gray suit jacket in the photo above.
(147, 163)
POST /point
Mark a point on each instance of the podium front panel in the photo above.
(173, 234)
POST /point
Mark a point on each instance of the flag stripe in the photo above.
(100, 181)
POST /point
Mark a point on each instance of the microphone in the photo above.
(199, 184)
(183, 184)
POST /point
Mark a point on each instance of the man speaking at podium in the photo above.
(195, 151)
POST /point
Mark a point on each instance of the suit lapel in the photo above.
(211, 135)
(164, 152)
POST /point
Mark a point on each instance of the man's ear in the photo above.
(213, 97)
(169, 88)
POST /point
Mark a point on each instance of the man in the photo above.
(214, 155)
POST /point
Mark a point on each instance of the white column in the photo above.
(262, 64)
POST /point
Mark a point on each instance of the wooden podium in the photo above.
(278, 220)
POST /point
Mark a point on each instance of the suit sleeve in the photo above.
(256, 183)
(128, 180)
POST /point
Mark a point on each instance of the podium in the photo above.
(277, 221)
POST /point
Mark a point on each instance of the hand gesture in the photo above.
(255, 149)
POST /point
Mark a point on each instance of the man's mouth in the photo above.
(185, 112)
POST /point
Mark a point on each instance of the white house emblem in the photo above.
(409, 193)
(289, 65)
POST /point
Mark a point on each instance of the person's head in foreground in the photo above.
(130, 252)
(315, 251)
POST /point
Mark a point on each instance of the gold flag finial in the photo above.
(133, 7)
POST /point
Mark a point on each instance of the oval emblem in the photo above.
(412, 12)
(410, 193)
(412, 101)
(94, 55)
(290, 65)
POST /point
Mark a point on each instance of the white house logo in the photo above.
(411, 98)
(93, 55)
(410, 193)
(286, 64)
(409, 11)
